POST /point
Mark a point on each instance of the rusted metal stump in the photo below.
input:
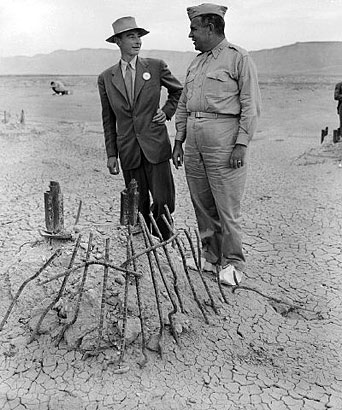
(336, 136)
(22, 117)
(54, 213)
(324, 133)
(6, 117)
(129, 204)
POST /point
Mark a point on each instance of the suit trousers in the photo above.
(156, 181)
(216, 189)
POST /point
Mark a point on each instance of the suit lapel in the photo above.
(118, 80)
(141, 76)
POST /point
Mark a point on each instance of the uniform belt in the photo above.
(213, 115)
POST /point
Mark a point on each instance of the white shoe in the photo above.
(230, 276)
(205, 265)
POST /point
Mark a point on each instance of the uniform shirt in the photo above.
(223, 81)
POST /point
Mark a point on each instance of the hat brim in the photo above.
(142, 32)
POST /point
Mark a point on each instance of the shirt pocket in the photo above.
(189, 84)
(221, 83)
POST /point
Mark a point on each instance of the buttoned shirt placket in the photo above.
(200, 78)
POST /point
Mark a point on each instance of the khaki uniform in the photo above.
(218, 109)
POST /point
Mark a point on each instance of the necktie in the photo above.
(129, 83)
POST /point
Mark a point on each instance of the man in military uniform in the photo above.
(216, 116)
(338, 97)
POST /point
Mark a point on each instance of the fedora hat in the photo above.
(125, 24)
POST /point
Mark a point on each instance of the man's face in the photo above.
(199, 35)
(129, 43)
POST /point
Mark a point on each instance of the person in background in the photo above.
(59, 88)
(338, 97)
(217, 116)
(134, 123)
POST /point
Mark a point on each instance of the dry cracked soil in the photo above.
(272, 344)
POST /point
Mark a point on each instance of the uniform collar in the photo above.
(220, 46)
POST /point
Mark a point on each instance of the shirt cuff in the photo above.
(180, 137)
(242, 139)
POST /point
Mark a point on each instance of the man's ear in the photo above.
(211, 27)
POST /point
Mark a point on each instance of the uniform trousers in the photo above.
(156, 181)
(216, 190)
(340, 115)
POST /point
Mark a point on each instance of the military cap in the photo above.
(206, 8)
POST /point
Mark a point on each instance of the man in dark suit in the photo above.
(338, 97)
(134, 124)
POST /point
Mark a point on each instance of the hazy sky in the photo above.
(29, 27)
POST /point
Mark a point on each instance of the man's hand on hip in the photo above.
(160, 117)
(237, 157)
(113, 165)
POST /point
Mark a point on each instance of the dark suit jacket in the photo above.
(128, 130)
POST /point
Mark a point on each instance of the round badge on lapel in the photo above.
(146, 76)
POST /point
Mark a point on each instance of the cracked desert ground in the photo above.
(274, 344)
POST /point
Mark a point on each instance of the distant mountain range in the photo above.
(298, 58)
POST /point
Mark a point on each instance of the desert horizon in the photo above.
(305, 58)
(190, 50)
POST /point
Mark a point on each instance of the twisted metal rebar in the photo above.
(169, 260)
(103, 298)
(170, 295)
(80, 293)
(155, 285)
(60, 293)
(23, 285)
(181, 251)
(121, 268)
(78, 213)
(219, 284)
(98, 348)
(149, 249)
(124, 317)
(199, 267)
(280, 301)
(82, 265)
(138, 290)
